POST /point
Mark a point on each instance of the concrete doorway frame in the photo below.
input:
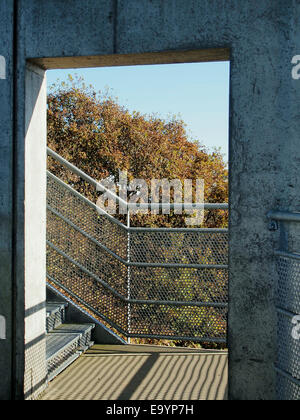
(35, 120)
(263, 151)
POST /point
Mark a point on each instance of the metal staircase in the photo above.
(65, 342)
(140, 282)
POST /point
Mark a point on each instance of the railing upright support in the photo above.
(128, 275)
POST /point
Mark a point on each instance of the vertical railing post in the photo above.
(128, 275)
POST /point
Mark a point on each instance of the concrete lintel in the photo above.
(164, 57)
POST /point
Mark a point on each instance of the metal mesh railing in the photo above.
(288, 309)
(288, 296)
(146, 283)
(179, 246)
(83, 215)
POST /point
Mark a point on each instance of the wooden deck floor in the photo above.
(139, 372)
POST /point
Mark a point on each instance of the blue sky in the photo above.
(197, 92)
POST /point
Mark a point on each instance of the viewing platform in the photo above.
(143, 372)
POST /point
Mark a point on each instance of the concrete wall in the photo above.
(6, 196)
(35, 231)
(262, 37)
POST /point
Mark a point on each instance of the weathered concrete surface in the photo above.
(263, 37)
(6, 194)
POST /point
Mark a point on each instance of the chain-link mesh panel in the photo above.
(288, 347)
(179, 247)
(179, 284)
(288, 284)
(189, 322)
(77, 211)
(287, 390)
(87, 256)
(87, 253)
(86, 288)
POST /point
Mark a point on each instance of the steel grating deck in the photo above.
(139, 372)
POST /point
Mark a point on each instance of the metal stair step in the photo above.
(65, 344)
(55, 315)
(53, 307)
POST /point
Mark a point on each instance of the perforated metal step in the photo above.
(65, 344)
(55, 315)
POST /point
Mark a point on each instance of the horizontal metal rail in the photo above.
(178, 206)
(179, 338)
(134, 206)
(135, 264)
(136, 301)
(285, 254)
(174, 265)
(178, 303)
(286, 313)
(287, 376)
(178, 230)
(125, 333)
(284, 216)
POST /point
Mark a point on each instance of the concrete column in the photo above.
(6, 196)
(35, 231)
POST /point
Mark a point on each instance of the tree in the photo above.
(95, 133)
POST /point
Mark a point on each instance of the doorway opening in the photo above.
(123, 249)
(120, 127)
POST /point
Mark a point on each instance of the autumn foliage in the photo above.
(95, 133)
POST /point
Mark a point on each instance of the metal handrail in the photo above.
(285, 254)
(124, 297)
(178, 206)
(84, 176)
(86, 235)
(178, 230)
(129, 300)
(129, 228)
(134, 206)
(85, 200)
(137, 264)
(284, 216)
